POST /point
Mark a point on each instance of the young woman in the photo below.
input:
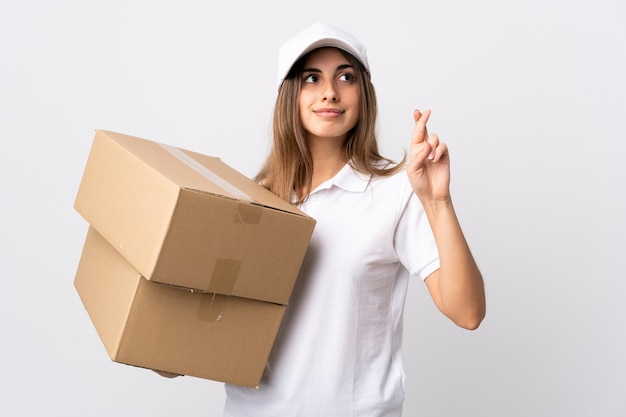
(379, 224)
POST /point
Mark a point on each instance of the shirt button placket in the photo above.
(310, 203)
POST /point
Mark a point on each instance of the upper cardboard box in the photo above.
(190, 220)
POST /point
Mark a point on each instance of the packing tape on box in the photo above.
(205, 172)
(248, 214)
(225, 275)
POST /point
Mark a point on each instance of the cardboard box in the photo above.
(189, 220)
(188, 264)
(158, 326)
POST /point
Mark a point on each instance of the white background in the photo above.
(530, 97)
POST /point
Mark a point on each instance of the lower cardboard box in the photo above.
(173, 329)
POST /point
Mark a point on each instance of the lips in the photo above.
(328, 112)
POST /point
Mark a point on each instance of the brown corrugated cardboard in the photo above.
(158, 326)
(189, 220)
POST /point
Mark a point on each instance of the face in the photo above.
(329, 96)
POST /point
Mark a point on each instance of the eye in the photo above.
(346, 76)
(312, 78)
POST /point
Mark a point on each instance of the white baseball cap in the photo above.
(316, 36)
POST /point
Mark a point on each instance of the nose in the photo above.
(329, 93)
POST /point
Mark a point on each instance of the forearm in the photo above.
(459, 290)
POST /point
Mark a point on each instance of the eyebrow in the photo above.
(339, 68)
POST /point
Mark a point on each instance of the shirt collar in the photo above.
(347, 179)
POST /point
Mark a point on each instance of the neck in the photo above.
(328, 159)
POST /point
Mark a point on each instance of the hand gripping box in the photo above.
(188, 264)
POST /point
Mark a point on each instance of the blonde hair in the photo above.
(289, 166)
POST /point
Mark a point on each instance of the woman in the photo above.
(338, 352)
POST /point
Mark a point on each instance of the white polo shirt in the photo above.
(339, 349)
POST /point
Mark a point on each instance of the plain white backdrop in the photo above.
(529, 96)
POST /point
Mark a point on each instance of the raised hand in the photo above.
(429, 165)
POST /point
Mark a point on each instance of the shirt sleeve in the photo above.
(413, 240)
